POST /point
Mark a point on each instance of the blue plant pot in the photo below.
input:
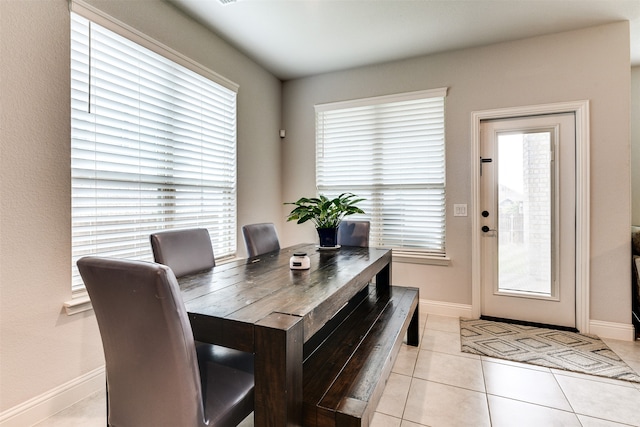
(328, 237)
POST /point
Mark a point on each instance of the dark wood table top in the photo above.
(246, 291)
(260, 305)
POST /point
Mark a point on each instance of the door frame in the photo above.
(581, 111)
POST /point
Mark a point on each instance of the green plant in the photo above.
(324, 212)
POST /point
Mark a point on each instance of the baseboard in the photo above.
(50, 403)
(445, 308)
(616, 331)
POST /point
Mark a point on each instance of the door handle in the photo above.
(486, 229)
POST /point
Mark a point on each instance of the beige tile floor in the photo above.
(437, 385)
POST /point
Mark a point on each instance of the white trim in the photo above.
(50, 403)
(99, 17)
(581, 111)
(406, 258)
(449, 309)
(397, 97)
(78, 304)
(616, 331)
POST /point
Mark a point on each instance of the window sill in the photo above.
(424, 259)
(78, 304)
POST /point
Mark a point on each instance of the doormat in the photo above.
(551, 348)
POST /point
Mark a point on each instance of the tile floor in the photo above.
(437, 385)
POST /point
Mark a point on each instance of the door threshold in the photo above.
(533, 324)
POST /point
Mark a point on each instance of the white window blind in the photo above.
(389, 150)
(153, 146)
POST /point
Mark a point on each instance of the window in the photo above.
(153, 146)
(389, 150)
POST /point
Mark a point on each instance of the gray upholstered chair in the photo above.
(260, 238)
(185, 251)
(354, 233)
(155, 373)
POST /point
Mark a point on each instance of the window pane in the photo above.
(391, 153)
(153, 147)
(525, 212)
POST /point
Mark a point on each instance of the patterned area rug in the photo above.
(544, 347)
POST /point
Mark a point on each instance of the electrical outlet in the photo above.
(459, 210)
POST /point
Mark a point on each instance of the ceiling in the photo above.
(297, 38)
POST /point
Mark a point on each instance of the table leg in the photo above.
(279, 340)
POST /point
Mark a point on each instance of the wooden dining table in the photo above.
(260, 305)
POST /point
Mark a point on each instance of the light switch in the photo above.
(459, 210)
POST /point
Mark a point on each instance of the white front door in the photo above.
(528, 209)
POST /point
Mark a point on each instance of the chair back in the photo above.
(354, 233)
(184, 251)
(151, 363)
(260, 238)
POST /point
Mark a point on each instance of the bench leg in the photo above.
(383, 279)
(413, 337)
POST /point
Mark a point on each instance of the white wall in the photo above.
(40, 346)
(588, 64)
(635, 145)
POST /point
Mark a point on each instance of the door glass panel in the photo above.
(525, 219)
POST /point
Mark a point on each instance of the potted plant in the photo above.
(326, 214)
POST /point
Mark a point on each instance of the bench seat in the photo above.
(347, 365)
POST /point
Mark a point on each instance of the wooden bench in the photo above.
(347, 363)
